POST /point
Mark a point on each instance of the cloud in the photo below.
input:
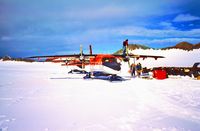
(6, 38)
(145, 32)
(167, 25)
(55, 25)
(122, 9)
(113, 37)
(98, 13)
(109, 34)
(185, 18)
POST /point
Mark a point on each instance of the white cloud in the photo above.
(144, 32)
(120, 9)
(167, 25)
(98, 13)
(136, 34)
(101, 34)
(6, 38)
(185, 17)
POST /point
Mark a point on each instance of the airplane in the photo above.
(96, 65)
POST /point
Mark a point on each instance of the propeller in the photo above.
(82, 58)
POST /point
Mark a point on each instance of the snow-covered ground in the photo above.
(173, 57)
(43, 97)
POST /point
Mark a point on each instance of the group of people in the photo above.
(136, 69)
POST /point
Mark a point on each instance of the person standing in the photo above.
(125, 46)
(139, 69)
(133, 69)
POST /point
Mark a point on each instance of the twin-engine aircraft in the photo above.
(104, 64)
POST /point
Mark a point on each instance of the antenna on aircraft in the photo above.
(90, 46)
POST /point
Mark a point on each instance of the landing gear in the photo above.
(114, 78)
(87, 76)
(103, 76)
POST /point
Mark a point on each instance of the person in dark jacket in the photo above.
(139, 69)
(125, 45)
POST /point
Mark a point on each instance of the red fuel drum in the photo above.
(160, 74)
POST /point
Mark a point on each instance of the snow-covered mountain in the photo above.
(183, 54)
(184, 46)
(181, 45)
(173, 57)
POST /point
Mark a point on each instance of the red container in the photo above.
(160, 74)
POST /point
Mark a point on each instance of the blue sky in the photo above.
(46, 27)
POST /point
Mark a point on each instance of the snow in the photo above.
(43, 97)
(173, 57)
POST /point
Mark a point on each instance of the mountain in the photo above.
(137, 46)
(133, 47)
(8, 58)
(182, 45)
(196, 46)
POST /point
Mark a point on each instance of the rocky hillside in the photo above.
(196, 46)
(182, 45)
(185, 46)
(133, 47)
(8, 58)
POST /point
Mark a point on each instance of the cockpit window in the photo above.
(108, 60)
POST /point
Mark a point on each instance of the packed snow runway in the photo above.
(43, 97)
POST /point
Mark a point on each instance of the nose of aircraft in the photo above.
(113, 65)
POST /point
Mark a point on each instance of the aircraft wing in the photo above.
(87, 56)
(140, 56)
(61, 56)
